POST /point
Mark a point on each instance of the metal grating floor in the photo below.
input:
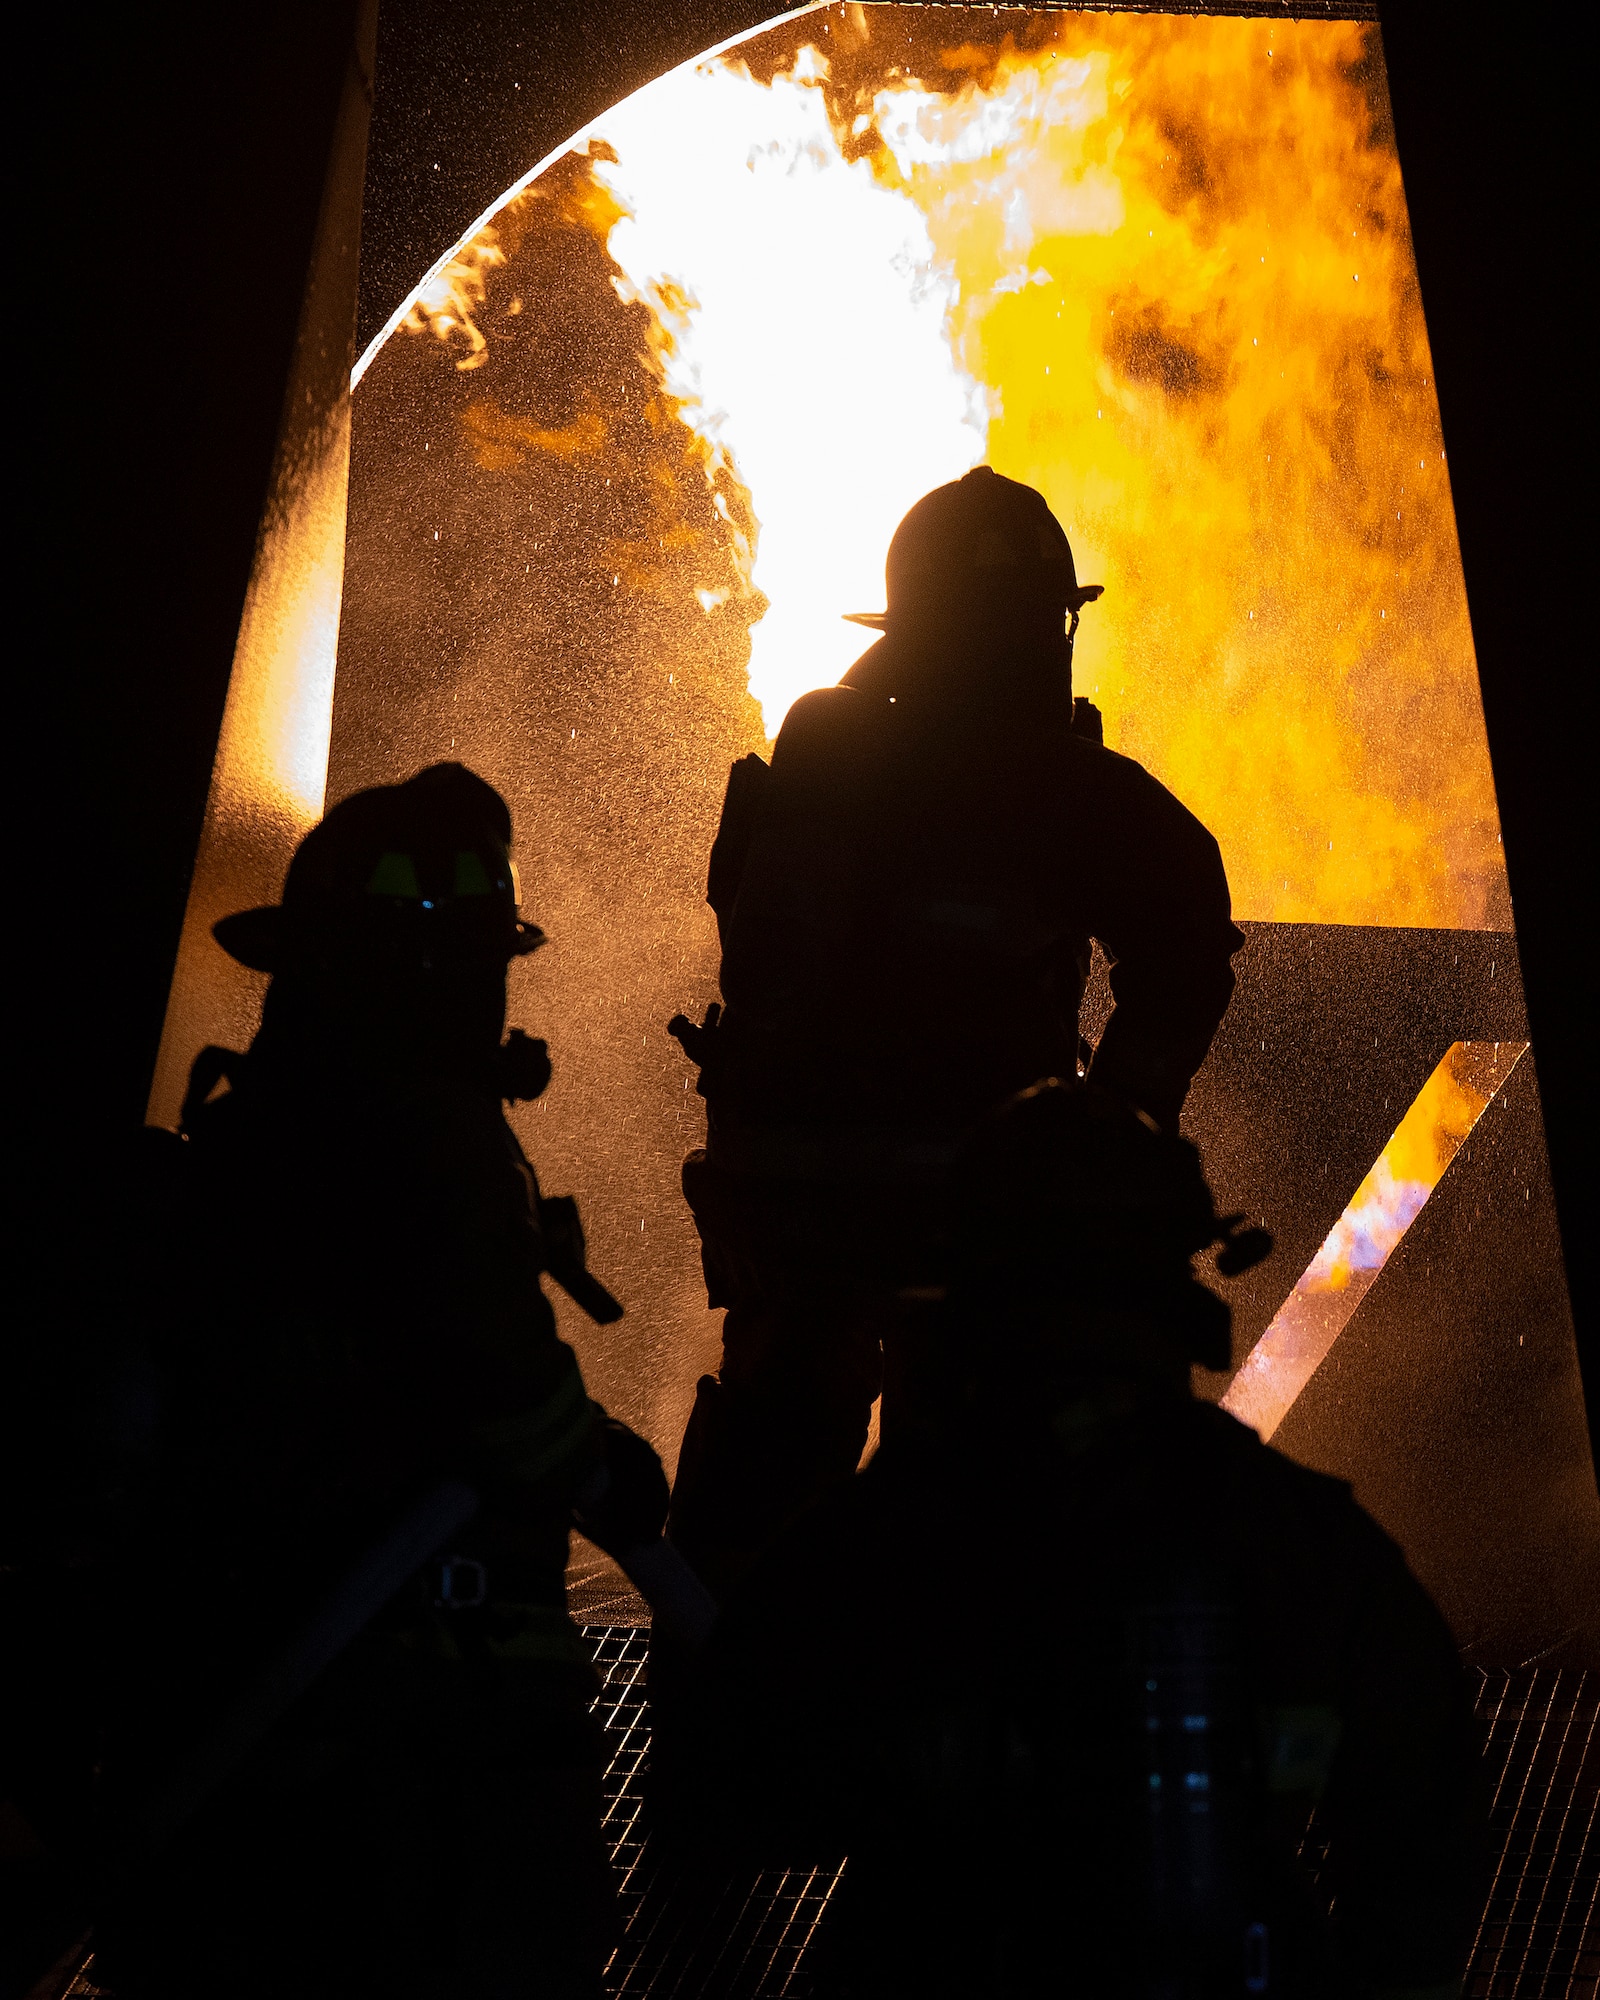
(1539, 1938)
(748, 1938)
(743, 1938)
(1540, 1934)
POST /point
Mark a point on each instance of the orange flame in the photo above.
(1409, 1168)
(1186, 265)
(1360, 1243)
(1159, 268)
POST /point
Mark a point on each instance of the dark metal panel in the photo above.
(1494, 142)
(206, 139)
(1452, 1403)
(1332, 1031)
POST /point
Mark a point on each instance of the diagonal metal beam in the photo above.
(1366, 1235)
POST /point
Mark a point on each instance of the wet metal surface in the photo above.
(1451, 1400)
(1353, 1253)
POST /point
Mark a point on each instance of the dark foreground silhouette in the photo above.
(342, 1308)
(1066, 1667)
(347, 1745)
(906, 900)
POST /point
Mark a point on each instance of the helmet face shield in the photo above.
(427, 929)
(416, 876)
(438, 902)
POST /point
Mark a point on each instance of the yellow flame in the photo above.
(448, 300)
(1361, 1242)
(745, 231)
(1405, 1173)
(1185, 263)
(1159, 268)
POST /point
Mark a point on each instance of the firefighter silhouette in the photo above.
(1065, 1669)
(352, 1308)
(906, 901)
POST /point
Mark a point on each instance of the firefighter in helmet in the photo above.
(352, 1308)
(906, 900)
(1066, 1669)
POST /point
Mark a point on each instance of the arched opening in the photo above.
(623, 460)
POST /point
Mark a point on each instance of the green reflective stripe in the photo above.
(541, 1633)
(471, 877)
(395, 875)
(535, 1441)
(1299, 1744)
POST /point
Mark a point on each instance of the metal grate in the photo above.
(740, 1937)
(1540, 1934)
(748, 1939)
(620, 1653)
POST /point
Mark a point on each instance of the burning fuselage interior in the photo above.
(624, 459)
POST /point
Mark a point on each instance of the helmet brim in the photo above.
(259, 938)
(254, 937)
(879, 621)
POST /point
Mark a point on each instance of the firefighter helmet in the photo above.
(419, 871)
(1070, 1193)
(982, 543)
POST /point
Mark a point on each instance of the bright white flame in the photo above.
(1138, 242)
(806, 324)
(1025, 132)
